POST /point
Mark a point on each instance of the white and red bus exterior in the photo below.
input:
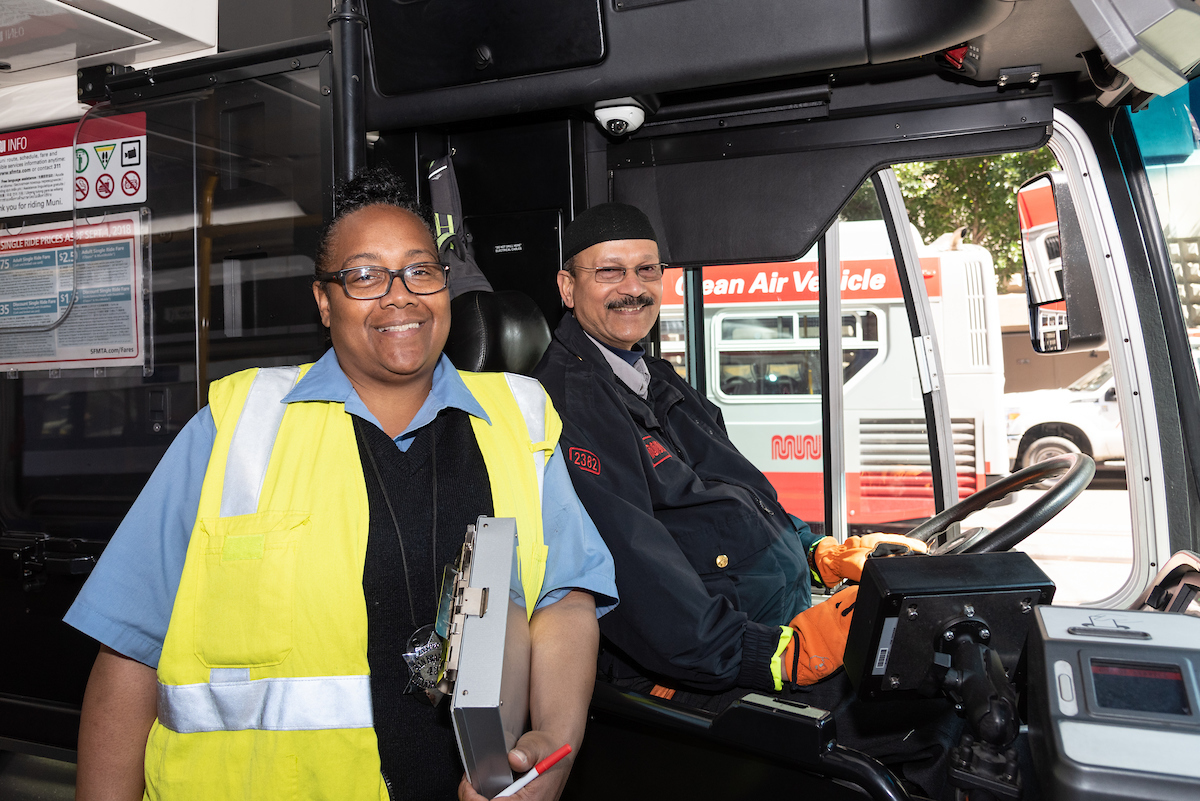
(761, 357)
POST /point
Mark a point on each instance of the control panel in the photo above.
(1113, 709)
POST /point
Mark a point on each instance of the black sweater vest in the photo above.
(437, 487)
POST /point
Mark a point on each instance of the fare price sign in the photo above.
(44, 170)
(99, 300)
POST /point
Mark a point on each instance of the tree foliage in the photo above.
(978, 194)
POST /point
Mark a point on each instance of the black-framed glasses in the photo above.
(646, 273)
(368, 283)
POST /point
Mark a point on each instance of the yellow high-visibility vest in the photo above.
(263, 684)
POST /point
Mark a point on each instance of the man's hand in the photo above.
(818, 639)
(531, 749)
(836, 561)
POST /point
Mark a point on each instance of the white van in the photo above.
(1082, 417)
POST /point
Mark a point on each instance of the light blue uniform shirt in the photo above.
(126, 603)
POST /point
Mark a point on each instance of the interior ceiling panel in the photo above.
(1047, 32)
(902, 30)
(38, 33)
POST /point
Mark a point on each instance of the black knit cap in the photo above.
(606, 223)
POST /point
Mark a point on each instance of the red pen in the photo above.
(538, 770)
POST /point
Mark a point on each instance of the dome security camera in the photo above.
(620, 117)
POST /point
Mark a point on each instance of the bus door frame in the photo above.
(833, 406)
(1130, 307)
(925, 345)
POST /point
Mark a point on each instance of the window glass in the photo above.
(222, 196)
(795, 370)
(810, 326)
(1168, 135)
(671, 326)
(889, 479)
(739, 328)
(781, 372)
(762, 363)
(1013, 407)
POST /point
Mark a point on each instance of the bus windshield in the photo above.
(1092, 379)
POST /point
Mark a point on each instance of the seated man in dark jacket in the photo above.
(714, 574)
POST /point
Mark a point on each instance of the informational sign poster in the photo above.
(103, 327)
(44, 170)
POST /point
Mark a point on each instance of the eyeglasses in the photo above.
(368, 283)
(646, 273)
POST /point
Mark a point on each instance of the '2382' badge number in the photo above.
(585, 460)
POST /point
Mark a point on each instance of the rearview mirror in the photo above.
(1064, 314)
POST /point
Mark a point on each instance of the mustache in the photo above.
(630, 302)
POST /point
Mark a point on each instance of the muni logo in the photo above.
(807, 446)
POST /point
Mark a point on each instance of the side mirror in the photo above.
(1110, 395)
(1064, 313)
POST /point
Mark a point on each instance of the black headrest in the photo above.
(496, 331)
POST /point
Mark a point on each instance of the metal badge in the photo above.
(427, 647)
(433, 650)
(424, 659)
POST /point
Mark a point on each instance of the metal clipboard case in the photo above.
(487, 661)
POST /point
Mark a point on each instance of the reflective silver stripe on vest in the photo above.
(281, 704)
(531, 400)
(254, 438)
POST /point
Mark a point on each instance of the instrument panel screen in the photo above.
(1140, 687)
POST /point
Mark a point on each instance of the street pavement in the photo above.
(1087, 549)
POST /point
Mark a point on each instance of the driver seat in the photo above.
(496, 332)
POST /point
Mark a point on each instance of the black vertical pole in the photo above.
(347, 27)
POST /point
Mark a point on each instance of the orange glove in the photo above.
(818, 639)
(834, 561)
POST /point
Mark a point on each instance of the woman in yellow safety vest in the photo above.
(254, 608)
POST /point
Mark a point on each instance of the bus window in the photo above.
(1013, 407)
(762, 340)
(740, 328)
(792, 366)
(223, 206)
(770, 373)
(1169, 137)
(672, 330)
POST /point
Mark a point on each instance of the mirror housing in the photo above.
(1064, 313)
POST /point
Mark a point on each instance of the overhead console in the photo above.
(421, 46)
(427, 63)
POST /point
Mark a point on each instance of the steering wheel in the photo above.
(1078, 469)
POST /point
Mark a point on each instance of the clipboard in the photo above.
(487, 658)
